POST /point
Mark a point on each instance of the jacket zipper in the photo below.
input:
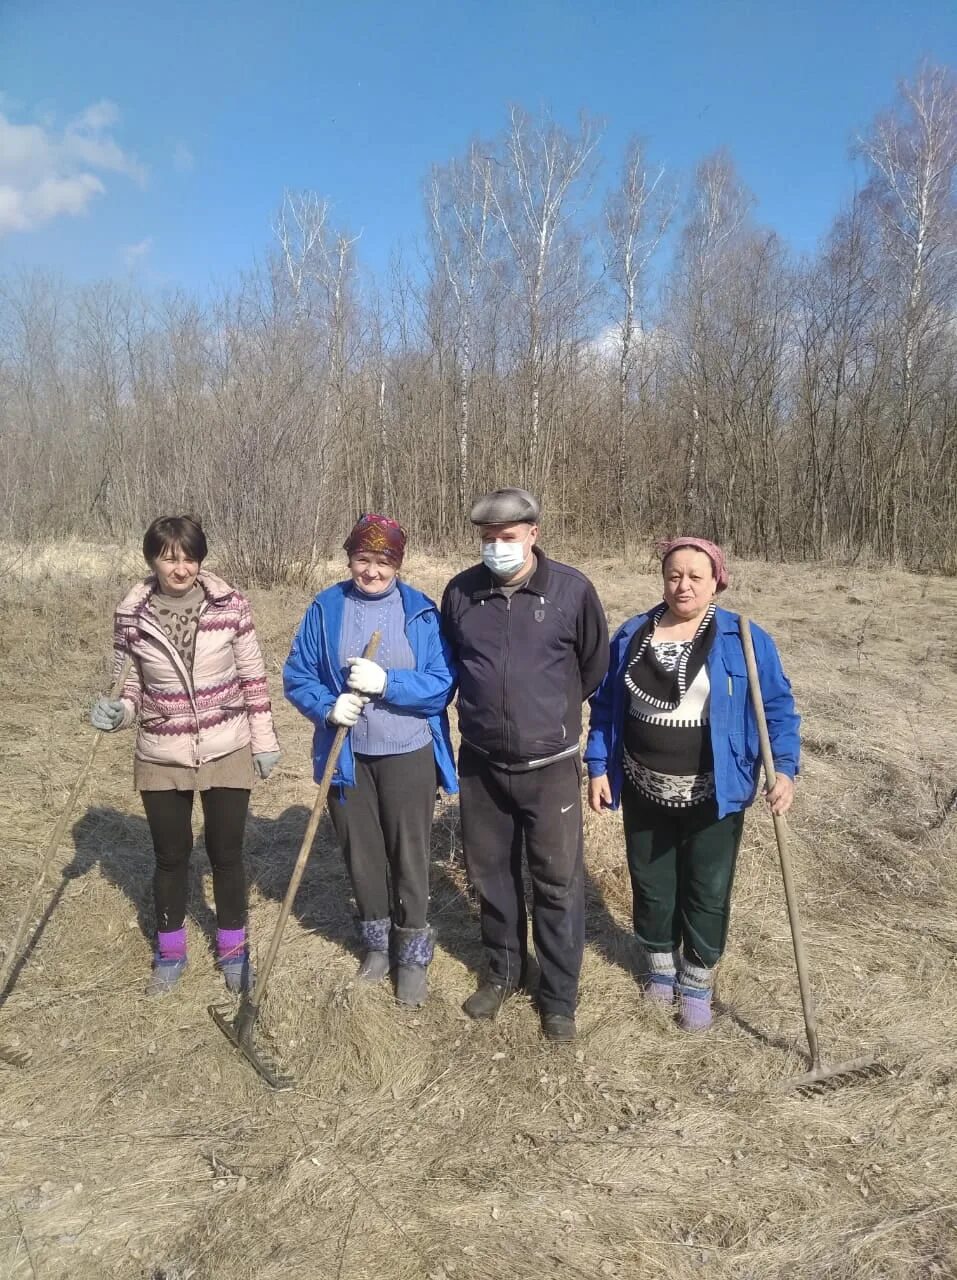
(178, 662)
(508, 632)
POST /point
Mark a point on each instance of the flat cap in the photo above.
(506, 506)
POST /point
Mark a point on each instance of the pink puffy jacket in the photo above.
(224, 706)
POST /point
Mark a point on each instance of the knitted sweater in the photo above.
(188, 717)
(382, 730)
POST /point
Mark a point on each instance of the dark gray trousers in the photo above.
(541, 811)
(384, 825)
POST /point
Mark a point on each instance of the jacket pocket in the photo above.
(744, 724)
(741, 771)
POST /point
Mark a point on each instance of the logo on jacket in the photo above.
(539, 615)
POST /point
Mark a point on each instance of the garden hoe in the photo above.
(820, 1073)
(239, 1030)
(14, 960)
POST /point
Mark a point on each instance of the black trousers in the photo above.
(384, 825)
(169, 814)
(540, 810)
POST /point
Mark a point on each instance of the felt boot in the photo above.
(374, 940)
(413, 953)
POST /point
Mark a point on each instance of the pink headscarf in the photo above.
(711, 550)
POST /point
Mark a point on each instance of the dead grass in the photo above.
(138, 1145)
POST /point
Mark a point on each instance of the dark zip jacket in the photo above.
(525, 662)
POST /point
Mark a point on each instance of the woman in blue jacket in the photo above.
(398, 749)
(673, 737)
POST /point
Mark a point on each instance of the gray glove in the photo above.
(347, 710)
(107, 714)
(264, 762)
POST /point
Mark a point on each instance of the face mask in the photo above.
(503, 558)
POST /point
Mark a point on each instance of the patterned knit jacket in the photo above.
(189, 718)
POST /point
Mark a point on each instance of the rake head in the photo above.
(822, 1078)
(239, 1032)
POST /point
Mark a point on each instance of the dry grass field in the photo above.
(138, 1144)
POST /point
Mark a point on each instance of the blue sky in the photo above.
(170, 129)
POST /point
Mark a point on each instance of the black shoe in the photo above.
(558, 1026)
(486, 1002)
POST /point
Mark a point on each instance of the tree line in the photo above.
(651, 362)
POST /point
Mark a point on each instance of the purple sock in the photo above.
(171, 944)
(230, 942)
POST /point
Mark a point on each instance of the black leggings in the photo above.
(169, 814)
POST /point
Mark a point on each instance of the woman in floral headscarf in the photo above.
(398, 748)
(673, 736)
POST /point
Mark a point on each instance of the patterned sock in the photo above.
(696, 976)
(171, 944)
(657, 973)
(230, 942)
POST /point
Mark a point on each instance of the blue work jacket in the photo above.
(734, 728)
(313, 678)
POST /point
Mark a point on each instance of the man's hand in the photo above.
(599, 793)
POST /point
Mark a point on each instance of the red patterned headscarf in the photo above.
(711, 550)
(379, 534)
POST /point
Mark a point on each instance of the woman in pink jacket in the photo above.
(197, 689)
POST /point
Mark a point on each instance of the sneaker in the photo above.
(373, 967)
(238, 971)
(487, 1000)
(166, 975)
(558, 1026)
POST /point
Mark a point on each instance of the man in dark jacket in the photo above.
(530, 643)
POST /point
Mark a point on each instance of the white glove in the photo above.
(347, 710)
(366, 676)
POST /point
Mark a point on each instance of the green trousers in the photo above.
(682, 869)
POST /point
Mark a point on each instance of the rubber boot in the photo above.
(238, 971)
(166, 974)
(414, 949)
(374, 940)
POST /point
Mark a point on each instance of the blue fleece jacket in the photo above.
(734, 729)
(313, 678)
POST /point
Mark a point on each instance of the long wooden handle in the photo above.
(59, 830)
(306, 847)
(781, 834)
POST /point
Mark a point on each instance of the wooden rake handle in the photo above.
(306, 847)
(56, 838)
(781, 835)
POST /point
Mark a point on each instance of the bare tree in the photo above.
(636, 216)
(913, 157)
(539, 170)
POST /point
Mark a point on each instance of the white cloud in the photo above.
(132, 253)
(183, 159)
(45, 174)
